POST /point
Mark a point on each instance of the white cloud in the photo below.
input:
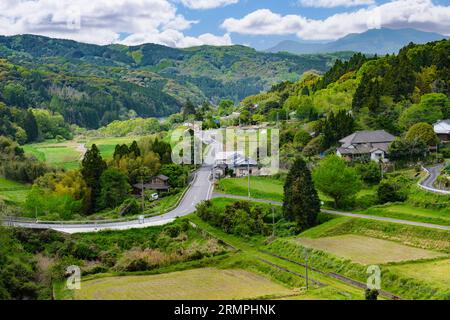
(418, 14)
(207, 4)
(101, 21)
(334, 3)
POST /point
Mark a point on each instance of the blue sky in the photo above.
(184, 23)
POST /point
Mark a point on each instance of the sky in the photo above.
(184, 23)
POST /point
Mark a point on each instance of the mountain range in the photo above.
(375, 41)
(92, 85)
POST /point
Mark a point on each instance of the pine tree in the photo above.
(301, 201)
(92, 167)
(134, 148)
(31, 127)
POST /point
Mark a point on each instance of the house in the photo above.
(442, 130)
(365, 145)
(235, 161)
(158, 183)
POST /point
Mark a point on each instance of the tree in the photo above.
(337, 127)
(334, 178)
(188, 109)
(370, 172)
(424, 132)
(92, 168)
(302, 138)
(114, 189)
(407, 150)
(31, 127)
(371, 294)
(390, 191)
(301, 201)
(134, 149)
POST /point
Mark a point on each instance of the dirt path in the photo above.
(81, 148)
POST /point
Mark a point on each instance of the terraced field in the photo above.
(205, 284)
(13, 191)
(367, 250)
(436, 273)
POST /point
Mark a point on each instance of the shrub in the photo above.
(390, 191)
(370, 172)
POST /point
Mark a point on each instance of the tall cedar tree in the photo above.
(301, 201)
(135, 149)
(337, 126)
(31, 127)
(92, 167)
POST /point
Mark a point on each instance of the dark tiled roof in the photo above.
(163, 177)
(358, 137)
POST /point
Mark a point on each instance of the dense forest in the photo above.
(91, 86)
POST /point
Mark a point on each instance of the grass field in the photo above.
(204, 284)
(67, 154)
(13, 191)
(268, 188)
(60, 154)
(107, 145)
(260, 187)
(408, 212)
(434, 272)
(367, 250)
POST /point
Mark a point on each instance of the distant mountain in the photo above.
(374, 41)
(92, 85)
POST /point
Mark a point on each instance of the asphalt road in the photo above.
(433, 174)
(201, 189)
(346, 214)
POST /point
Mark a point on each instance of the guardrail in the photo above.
(434, 190)
(9, 220)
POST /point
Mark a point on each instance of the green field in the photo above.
(13, 191)
(65, 154)
(366, 250)
(68, 154)
(434, 272)
(195, 284)
(268, 188)
(260, 187)
(108, 145)
(408, 212)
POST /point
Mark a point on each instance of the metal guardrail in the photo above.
(9, 220)
(434, 190)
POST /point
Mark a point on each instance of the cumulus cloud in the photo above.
(419, 14)
(334, 3)
(207, 4)
(102, 21)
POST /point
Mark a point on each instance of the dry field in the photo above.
(367, 250)
(196, 284)
(434, 272)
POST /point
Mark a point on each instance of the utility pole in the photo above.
(273, 222)
(248, 176)
(306, 267)
(142, 194)
(35, 214)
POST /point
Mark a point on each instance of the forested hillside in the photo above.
(92, 85)
(391, 92)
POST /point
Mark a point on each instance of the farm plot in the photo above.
(13, 191)
(436, 273)
(196, 284)
(366, 250)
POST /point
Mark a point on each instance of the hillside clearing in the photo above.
(196, 284)
(367, 250)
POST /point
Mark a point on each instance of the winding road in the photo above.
(200, 189)
(428, 183)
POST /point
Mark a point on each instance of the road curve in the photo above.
(345, 214)
(200, 190)
(428, 183)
